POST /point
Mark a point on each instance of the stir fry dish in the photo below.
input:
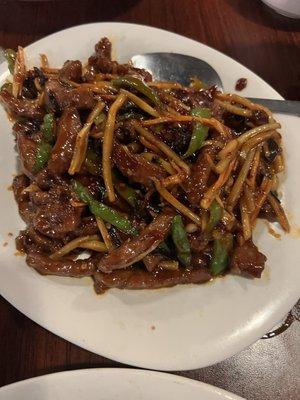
(138, 183)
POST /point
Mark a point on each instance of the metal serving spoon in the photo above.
(180, 68)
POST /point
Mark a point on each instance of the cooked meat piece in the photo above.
(68, 128)
(197, 98)
(197, 183)
(24, 243)
(27, 148)
(259, 117)
(152, 261)
(40, 198)
(20, 183)
(247, 259)
(102, 50)
(45, 179)
(26, 127)
(200, 260)
(176, 136)
(30, 240)
(198, 241)
(272, 151)
(235, 122)
(89, 74)
(49, 213)
(55, 220)
(20, 107)
(49, 245)
(57, 216)
(88, 226)
(29, 90)
(63, 267)
(134, 278)
(138, 247)
(136, 167)
(127, 69)
(71, 70)
(101, 61)
(59, 97)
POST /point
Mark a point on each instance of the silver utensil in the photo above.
(180, 68)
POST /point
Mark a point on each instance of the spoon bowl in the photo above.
(181, 68)
(177, 68)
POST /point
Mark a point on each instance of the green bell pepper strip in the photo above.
(164, 248)
(93, 162)
(200, 131)
(181, 242)
(100, 120)
(44, 149)
(131, 115)
(216, 214)
(10, 56)
(223, 244)
(103, 211)
(198, 84)
(126, 192)
(47, 128)
(7, 86)
(219, 260)
(134, 83)
(42, 156)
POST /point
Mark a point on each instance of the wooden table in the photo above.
(245, 30)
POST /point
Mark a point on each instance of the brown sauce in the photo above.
(241, 84)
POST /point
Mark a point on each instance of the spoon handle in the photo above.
(280, 106)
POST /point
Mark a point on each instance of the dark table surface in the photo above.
(246, 30)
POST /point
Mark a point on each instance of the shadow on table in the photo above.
(264, 15)
(34, 18)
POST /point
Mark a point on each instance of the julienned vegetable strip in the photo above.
(73, 244)
(176, 203)
(81, 144)
(108, 145)
(106, 213)
(140, 103)
(162, 146)
(19, 73)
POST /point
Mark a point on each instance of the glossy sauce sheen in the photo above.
(241, 84)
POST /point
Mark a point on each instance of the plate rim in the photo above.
(80, 373)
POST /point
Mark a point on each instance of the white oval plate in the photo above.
(181, 328)
(112, 384)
